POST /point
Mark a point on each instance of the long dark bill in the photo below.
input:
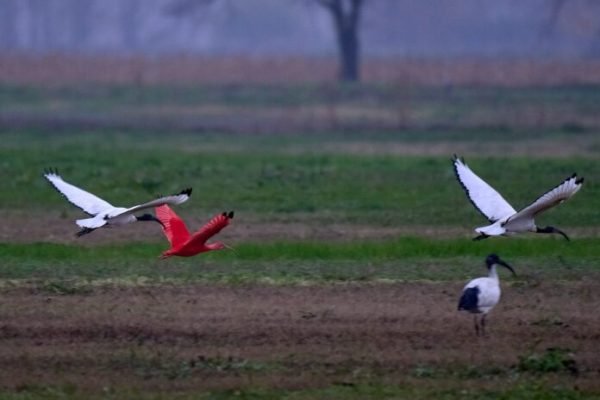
(551, 229)
(505, 265)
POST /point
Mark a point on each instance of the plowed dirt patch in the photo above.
(219, 337)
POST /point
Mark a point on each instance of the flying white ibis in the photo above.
(103, 213)
(504, 219)
(482, 294)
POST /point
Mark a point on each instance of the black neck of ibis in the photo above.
(149, 217)
(493, 259)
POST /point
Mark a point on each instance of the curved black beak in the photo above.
(229, 247)
(562, 233)
(149, 217)
(505, 265)
(551, 229)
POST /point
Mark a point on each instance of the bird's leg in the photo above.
(84, 231)
(476, 325)
(483, 325)
(551, 229)
(480, 237)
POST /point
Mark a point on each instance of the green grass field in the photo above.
(381, 189)
(313, 181)
(403, 259)
(340, 392)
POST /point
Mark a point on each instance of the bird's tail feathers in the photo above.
(91, 223)
(491, 230)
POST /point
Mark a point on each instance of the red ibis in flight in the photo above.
(482, 294)
(504, 219)
(182, 243)
(103, 213)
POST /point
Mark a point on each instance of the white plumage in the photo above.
(481, 295)
(103, 213)
(505, 220)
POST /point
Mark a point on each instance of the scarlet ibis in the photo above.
(504, 219)
(480, 295)
(103, 213)
(182, 243)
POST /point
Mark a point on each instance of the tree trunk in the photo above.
(346, 17)
(348, 55)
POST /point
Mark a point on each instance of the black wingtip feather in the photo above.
(187, 192)
(230, 215)
(579, 181)
(456, 158)
(50, 171)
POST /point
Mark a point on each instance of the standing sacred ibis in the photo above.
(504, 219)
(182, 243)
(481, 295)
(103, 213)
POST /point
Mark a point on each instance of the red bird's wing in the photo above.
(209, 230)
(173, 227)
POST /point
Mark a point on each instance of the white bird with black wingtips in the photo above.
(481, 295)
(103, 213)
(504, 219)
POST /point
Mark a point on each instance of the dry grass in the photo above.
(299, 96)
(58, 69)
(218, 337)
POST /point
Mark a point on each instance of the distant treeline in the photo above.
(426, 28)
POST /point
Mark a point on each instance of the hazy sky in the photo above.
(423, 28)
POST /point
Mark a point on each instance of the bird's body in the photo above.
(481, 295)
(183, 243)
(116, 216)
(103, 213)
(504, 219)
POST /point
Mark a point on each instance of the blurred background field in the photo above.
(352, 237)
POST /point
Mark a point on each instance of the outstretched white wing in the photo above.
(484, 197)
(88, 202)
(560, 193)
(174, 199)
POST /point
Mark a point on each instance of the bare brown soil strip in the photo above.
(57, 69)
(216, 337)
(20, 227)
(23, 228)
